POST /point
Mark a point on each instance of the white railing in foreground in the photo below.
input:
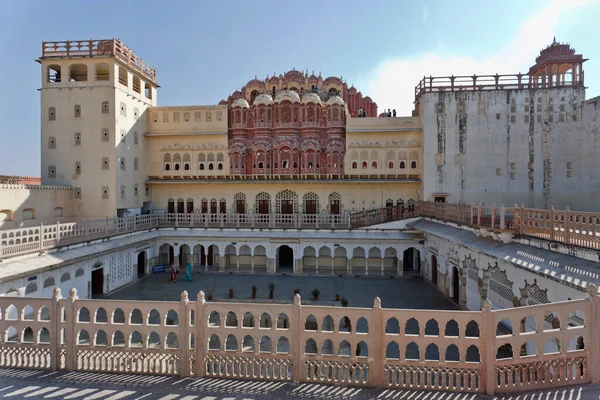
(488, 351)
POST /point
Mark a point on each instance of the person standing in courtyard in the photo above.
(188, 273)
(172, 274)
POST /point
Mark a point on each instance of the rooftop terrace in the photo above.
(97, 48)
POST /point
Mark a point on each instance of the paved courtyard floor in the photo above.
(405, 292)
(36, 384)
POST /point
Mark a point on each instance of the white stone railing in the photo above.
(456, 351)
(34, 187)
(31, 240)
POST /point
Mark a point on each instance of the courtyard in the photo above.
(407, 292)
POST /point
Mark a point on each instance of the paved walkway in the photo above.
(35, 384)
(406, 292)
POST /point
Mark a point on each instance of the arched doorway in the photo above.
(97, 283)
(434, 270)
(141, 264)
(411, 260)
(166, 255)
(285, 259)
(455, 285)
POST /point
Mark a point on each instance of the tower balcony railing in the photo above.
(310, 124)
(238, 125)
(98, 48)
(336, 124)
(485, 82)
(574, 228)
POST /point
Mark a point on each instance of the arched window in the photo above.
(354, 165)
(364, 165)
(391, 165)
(413, 164)
(374, 165)
(78, 73)
(167, 161)
(54, 75)
(402, 165)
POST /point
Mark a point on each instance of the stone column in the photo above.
(200, 336)
(463, 290)
(296, 331)
(382, 261)
(348, 266)
(184, 348)
(332, 265)
(237, 262)
(71, 317)
(317, 263)
(55, 317)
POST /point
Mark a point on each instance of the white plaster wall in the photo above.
(446, 250)
(119, 268)
(463, 151)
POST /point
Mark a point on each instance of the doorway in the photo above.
(285, 258)
(97, 282)
(141, 264)
(455, 285)
(434, 270)
(411, 260)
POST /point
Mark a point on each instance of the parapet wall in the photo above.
(30, 205)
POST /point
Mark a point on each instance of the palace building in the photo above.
(489, 191)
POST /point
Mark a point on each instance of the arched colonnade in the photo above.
(308, 258)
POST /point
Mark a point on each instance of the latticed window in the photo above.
(310, 203)
(239, 200)
(335, 203)
(262, 204)
(286, 202)
(500, 284)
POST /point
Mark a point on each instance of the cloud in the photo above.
(392, 83)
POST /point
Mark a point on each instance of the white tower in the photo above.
(94, 97)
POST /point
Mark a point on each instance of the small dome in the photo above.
(335, 100)
(263, 98)
(287, 95)
(332, 79)
(240, 103)
(255, 82)
(311, 98)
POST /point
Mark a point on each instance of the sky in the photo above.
(205, 50)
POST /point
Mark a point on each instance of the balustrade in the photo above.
(488, 351)
(563, 226)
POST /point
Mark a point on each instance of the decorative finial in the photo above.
(56, 293)
(184, 296)
(200, 297)
(377, 303)
(73, 293)
(297, 299)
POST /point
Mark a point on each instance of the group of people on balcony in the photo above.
(391, 113)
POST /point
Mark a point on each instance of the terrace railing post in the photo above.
(57, 232)
(594, 347)
(296, 331)
(200, 339)
(493, 215)
(55, 319)
(71, 318)
(378, 362)
(176, 219)
(522, 222)
(502, 212)
(41, 240)
(183, 336)
(87, 228)
(488, 335)
(552, 232)
(567, 226)
(516, 218)
(478, 214)
(106, 227)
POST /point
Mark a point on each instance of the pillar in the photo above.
(71, 317)
(463, 290)
(382, 261)
(184, 347)
(296, 350)
(252, 267)
(317, 263)
(55, 317)
(332, 264)
(237, 262)
(200, 338)
(348, 266)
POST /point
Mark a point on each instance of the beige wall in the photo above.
(386, 142)
(25, 205)
(110, 106)
(357, 195)
(187, 149)
(188, 119)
